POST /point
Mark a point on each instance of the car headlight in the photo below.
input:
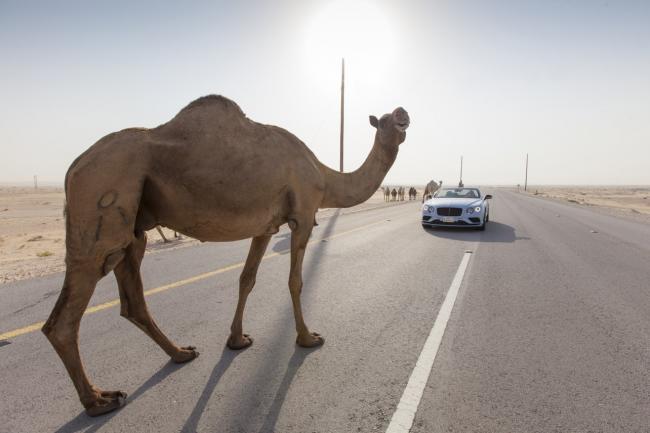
(425, 208)
(477, 209)
(474, 209)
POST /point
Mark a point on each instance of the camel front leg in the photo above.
(299, 237)
(237, 339)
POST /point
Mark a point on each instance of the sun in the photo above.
(359, 31)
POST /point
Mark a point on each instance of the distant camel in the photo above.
(413, 193)
(400, 193)
(393, 193)
(386, 193)
(430, 189)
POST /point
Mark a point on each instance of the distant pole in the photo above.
(342, 109)
(460, 183)
(35, 182)
(526, 179)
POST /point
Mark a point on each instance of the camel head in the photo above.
(391, 128)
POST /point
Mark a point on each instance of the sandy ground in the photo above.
(32, 232)
(631, 202)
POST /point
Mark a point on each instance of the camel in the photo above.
(430, 189)
(393, 194)
(209, 173)
(413, 193)
(386, 191)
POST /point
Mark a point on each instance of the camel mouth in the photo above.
(401, 126)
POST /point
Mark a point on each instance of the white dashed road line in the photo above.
(407, 407)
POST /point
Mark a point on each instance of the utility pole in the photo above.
(526, 179)
(342, 109)
(35, 182)
(460, 183)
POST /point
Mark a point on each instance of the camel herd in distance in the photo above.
(398, 193)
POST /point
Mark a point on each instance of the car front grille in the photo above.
(449, 211)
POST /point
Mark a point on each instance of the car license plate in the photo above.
(448, 220)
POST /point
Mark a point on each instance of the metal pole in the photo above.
(526, 179)
(461, 171)
(342, 109)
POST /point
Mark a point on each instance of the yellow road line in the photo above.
(105, 305)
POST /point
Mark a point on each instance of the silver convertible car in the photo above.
(456, 207)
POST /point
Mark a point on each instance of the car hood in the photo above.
(453, 202)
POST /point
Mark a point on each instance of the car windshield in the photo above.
(458, 193)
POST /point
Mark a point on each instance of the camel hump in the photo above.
(212, 102)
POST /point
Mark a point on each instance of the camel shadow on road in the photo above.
(83, 421)
(264, 380)
(494, 232)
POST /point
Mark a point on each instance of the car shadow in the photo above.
(494, 232)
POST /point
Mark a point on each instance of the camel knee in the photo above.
(63, 324)
(134, 314)
(246, 282)
(60, 335)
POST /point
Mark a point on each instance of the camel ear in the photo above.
(374, 122)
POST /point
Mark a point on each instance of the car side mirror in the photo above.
(487, 197)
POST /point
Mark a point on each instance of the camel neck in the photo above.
(349, 189)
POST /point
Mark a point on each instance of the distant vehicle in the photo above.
(456, 207)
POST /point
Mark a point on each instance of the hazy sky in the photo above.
(566, 81)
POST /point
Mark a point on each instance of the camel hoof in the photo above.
(239, 343)
(108, 402)
(185, 354)
(313, 339)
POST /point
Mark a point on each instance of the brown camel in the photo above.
(393, 194)
(430, 189)
(209, 173)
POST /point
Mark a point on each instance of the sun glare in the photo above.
(359, 31)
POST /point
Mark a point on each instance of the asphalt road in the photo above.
(550, 332)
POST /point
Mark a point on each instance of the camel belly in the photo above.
(210, 215)
(223, 228)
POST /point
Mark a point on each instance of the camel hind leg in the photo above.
(100, 216)
(133, 305)
(62, 330)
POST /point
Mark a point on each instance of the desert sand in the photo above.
(32, 231)
(628, 201)
(32, 227)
